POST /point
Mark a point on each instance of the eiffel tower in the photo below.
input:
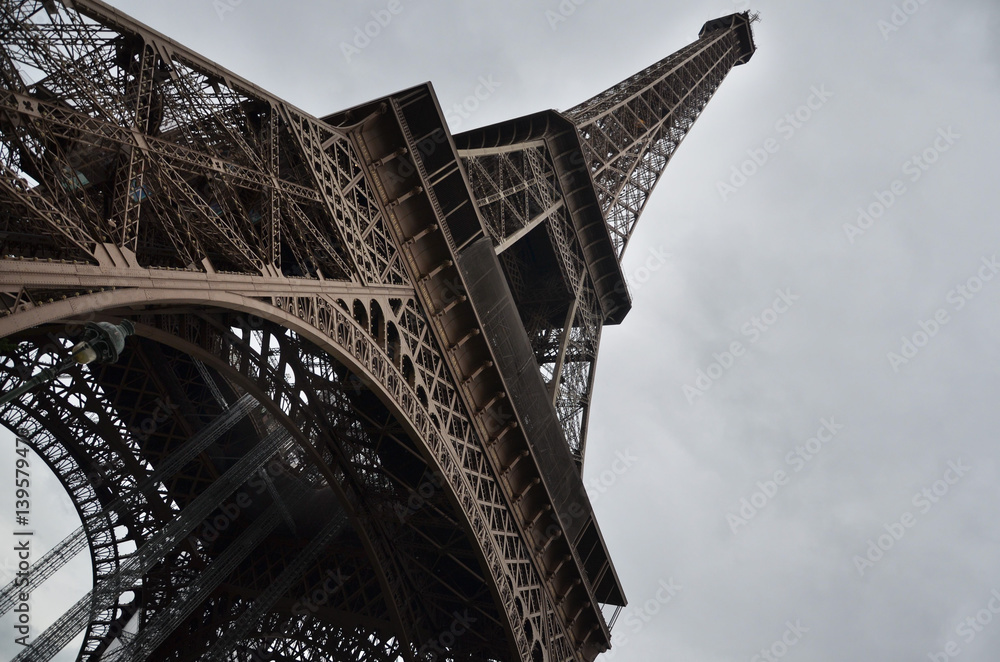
(351, 421)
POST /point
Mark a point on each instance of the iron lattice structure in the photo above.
(352, 423)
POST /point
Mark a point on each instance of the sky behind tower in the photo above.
(792, 446)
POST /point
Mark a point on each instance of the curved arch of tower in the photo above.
(352, 419)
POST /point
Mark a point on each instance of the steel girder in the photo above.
(261, 255)
(401, 334)
(631, 130)
(134, 142)
(628, 134)
(517, 191)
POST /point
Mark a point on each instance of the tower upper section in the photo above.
(560, 194)
(630, 131)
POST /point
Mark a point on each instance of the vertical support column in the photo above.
(272, 219)
(129, 190)
(564, 338)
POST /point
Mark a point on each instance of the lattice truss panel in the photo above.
(111, 134)
(517, 191)
(631, 130)
(120, 149)
(106, 434)
(286, 367)
(92, 452)
(364, 447)
(401, 356)
(512, 188)
(417, 550)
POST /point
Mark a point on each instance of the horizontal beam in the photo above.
(528, 227)
(16, 275)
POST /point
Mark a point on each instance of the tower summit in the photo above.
(631, 130)
(352, 420)
(577, 182)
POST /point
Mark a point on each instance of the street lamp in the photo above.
(102, 342)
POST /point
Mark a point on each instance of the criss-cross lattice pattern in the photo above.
(291, 313)
(390, 337)
(631, 130)
(111, 136)
(517, 191)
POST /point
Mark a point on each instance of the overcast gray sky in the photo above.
(824, 420)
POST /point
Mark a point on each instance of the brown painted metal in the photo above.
(327, 269)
